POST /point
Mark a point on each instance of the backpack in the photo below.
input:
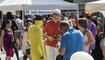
(20, 24)
(11, 43)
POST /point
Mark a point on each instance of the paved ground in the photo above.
(2, 55)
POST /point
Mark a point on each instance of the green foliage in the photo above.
(69, 0)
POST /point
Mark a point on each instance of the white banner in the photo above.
(38, 12)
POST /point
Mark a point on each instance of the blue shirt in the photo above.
(72, 41)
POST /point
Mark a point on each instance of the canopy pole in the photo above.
(23, 14)
(2, 16)
(67, 12)
(23, 17)
(77, 12)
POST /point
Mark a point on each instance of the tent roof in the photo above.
(97, 2)
(95, 6)
(36, 4)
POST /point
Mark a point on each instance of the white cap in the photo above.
(81, 56)
(57, 11)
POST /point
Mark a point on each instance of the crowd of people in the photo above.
(55, 39)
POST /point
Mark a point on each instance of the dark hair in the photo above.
(38, 17)
(9, 15)
(63, 24)
(4, 24)
(63, 14)
(28, 23)
(89, 17)
(83, 23)
(16, 16)
(8, 21)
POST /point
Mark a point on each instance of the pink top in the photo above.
(86, 48)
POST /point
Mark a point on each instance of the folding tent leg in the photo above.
(23, 15)
(77, 13)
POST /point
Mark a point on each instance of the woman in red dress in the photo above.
(6, 35)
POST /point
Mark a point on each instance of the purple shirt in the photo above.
(92, 27)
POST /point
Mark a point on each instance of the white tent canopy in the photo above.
(13, 5)
(36, 5)
(95, 6)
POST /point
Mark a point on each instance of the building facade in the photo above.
(81, 4)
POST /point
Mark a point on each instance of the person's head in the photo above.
(99, 19)
(28, 24)
(8, 23)
(82, 23)
(9, 15)
(63, 15)
(81, 56)
(56, 14)
(16, 16)
(64, 26)
(73, 22)
(38, 20)
(70, 23)
(88, 18)
(94, 17)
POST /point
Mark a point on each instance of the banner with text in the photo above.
(38, 12)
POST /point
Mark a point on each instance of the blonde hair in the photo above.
(72, 21)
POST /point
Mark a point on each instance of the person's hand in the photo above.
(86, 44)
(57, 46)
(50, 38)
(41, 57)
(59, 37)
(17, 41)
(44, 37)
(24, 52)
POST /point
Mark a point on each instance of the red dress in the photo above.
(6, 39)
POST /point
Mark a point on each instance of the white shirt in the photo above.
(25, 45)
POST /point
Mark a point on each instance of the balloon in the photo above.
(81, 56)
